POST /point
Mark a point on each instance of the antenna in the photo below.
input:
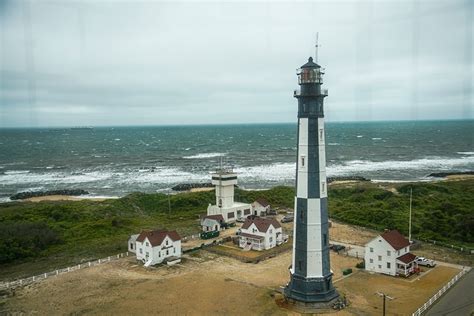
(316, 45)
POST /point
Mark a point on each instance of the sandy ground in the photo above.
(207, 284)
(201, 189)
(64, 198)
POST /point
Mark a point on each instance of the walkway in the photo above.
(459, 300)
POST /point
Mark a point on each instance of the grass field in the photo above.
(43, 236)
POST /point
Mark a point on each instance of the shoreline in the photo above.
(58, 197)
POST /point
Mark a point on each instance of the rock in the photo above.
(189, 186)
(349, 178)
(30, 194)
(454, 173)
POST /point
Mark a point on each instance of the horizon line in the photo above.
(227, 124)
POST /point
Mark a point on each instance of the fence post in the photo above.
(89, 263)
(109, 259)
(45, 276)
(57, 272)
(99, 261)
(33, 278)
(67, 269)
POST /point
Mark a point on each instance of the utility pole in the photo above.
(169, 204)
(384, 296)
(409, 222)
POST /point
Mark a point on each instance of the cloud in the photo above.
(133, 63)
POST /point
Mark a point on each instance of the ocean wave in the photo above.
(469, 153)
(333, 144)
(205, 155)
(13, 172)
(429, 163)
(52, 178)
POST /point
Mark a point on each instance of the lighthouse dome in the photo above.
(310, 64)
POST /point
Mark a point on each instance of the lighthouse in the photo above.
(310, 272)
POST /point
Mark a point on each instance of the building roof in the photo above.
(262, 202)
(251, 236)
(262, 223)
(156, 237)
(407, 258)
(395, 239)
(217, 217)
(310, 64)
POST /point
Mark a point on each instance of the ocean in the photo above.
(114, 161)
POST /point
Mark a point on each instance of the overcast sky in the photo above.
(81, 63)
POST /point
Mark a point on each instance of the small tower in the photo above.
(224, 180)
(310, 273)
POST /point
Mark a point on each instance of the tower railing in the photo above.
(297, 93)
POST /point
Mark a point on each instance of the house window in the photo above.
(405, 249)
(131, 246)
(398, 252)
(220, 203)
(147, 244)
(380, 258)
(302, 161)
(388, 265)
(371, 249)
(380, 240)
(147, 254)
(174, 250)
(247, 211)
(380, 267)
(167, 252)
(371, 260)
(141, 250)
(230, 215)
(271, 239)
(159, 254)
(389, 253)
(167, 242)
(271, 231)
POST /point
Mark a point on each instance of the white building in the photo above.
(260, 207)
(132, 243)
(152, 247)
(390, 254)
(224, 180)
(260, 234)
(211, 223)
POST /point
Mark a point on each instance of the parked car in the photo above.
(287, 219)
(425, 262)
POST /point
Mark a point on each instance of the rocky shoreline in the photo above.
(31, 194)
(446, 174)
(189, 186)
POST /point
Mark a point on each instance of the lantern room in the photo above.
(310, 73)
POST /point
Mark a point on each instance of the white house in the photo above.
(152, 247)
(390, 254)
(260, 207)
(225, 180)
(132, 243)
(212, 223)
(260, 234)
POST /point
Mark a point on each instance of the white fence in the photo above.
(26, 281)
(435, 297)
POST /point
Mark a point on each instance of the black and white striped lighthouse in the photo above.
(310, 272)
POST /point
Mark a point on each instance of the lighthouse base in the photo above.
(311, 291)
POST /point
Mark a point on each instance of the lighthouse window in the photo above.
(325, 239)
(302, 161)
(300, 265)
(321, 134)
(323, 187)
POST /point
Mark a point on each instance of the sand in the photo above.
(65, 198)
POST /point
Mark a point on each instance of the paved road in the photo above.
(459, 300)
